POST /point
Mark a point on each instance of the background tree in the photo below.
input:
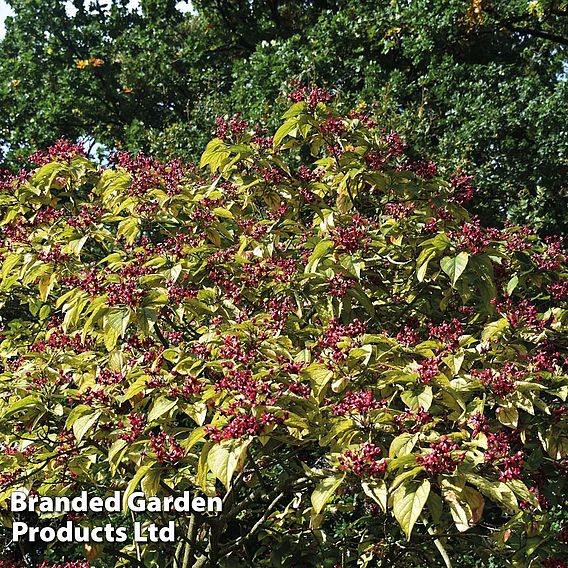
(482, 85)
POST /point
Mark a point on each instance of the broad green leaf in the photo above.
(376, 490)
(319, 251)
(21, 404)
(512, 284)
(422, 263)
(288, 128)
(466, 505)
(496, 491)
(196, 436)
(494, 329)
(226, 458)
(162, 406)
(454, 266)
(116, 453)
(408, 501)
(415, 398)
(151, 482)
(324, 491)
(508, 416)
(83, 424)
(402, 445)
(133, 484)
(76, 413)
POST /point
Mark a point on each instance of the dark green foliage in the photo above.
(475, 84)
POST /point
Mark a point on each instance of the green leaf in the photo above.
(82, 425)
(115, 454)
(415, 398)
(117, 320)
(423, 261)
(131, 487)
(376, 490)
(512, 284)
(151, 482)
(136, 387)
(324, 491)
(226, 458)
(408, 501)
(319, 251)
(494, 329)
(8, 264)
(76, 413)
(466, 505)
(454, 266)
(161, 407)
(20, 404)
(196, 436)
(496, 491)
(215, 154)
(402, 445)
(76, 246)
(289, 128)
(508, 416)
(319, 375)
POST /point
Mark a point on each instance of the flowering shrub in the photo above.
(332, 344)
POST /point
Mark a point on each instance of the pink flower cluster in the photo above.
(166, 448)
(231, 128)
(243, 425)
(559, 290)
(365, 462)
(306, 174)
(311, 95)
(463, 188)
(333, 125)
(392, 147)
(339, 284)
(108, 377)
(148, 173)
(500, 452)
(243, 384)
(553, 257)
(126, 292)
(75, 564)
(137, 425)
(408, 336)
(399, 210)
(441, 458)
(473, 238)
(519, 313)
(53, 255)
(92, 396)
(58, 339)
(426, 170)
(428, 369)
(62, 151)
(447, 332)
(190, 387)
(87, 216)
(501, 382)
(478, 423)
(360, 403)
(411, 421)
(353, 237)
(336, 332)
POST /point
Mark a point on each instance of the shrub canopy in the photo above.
(480, 86)
(311, 326)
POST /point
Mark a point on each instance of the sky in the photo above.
(183, 6)
(4, 11)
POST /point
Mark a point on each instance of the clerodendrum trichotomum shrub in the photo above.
(310, 327)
